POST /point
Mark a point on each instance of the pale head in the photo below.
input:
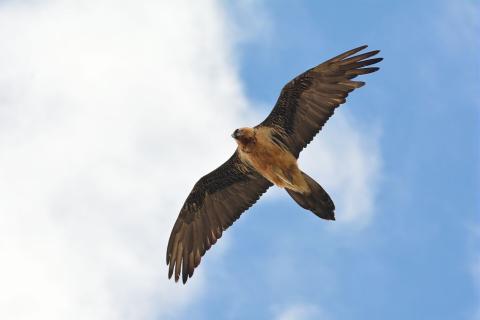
(244, 135)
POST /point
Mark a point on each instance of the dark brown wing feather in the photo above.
(308, 101)
(216, 201)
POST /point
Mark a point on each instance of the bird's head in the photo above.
(244, 135)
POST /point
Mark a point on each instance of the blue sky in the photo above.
(111, 111)
(414, 260)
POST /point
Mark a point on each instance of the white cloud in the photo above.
(302, 311)
(252, 21)
(104, 108)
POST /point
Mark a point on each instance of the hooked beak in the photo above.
(235, 134)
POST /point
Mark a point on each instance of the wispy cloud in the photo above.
(302, 311)
(345, 158)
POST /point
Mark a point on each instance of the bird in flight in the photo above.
(266, 155)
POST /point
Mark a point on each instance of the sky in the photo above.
(110, 111)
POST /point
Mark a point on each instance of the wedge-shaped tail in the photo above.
(318, 201)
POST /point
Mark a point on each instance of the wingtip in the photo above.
(372, 61)
(356, 50)
(374, 52)
(184, 275)
(347, 54)
(330, 216)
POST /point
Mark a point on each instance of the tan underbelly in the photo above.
(279, 167)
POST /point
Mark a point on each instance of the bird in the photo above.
(267, 155)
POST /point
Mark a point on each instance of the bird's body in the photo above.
(266, 155)
(272, 160)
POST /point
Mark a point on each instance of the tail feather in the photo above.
(317, 201)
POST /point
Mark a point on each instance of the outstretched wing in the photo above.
(216, 201)
(308, 101)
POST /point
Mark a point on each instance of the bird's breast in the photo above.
(275, 164)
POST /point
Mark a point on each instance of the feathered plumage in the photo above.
(266, 155)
